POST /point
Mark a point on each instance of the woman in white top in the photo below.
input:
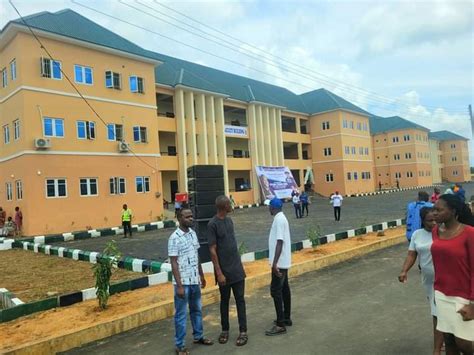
(420, 245)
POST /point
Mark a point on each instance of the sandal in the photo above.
(182, 351)
(242, 339)
(224, 337)
(204, 341)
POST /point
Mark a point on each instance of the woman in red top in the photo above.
(453, 259)
(436, 195)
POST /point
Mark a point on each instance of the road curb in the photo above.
(165, 309)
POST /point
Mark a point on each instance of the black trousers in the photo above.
(280, 291)
(298, 212)
(337, 213)
(304, 207)
(127, 226)
(238, 289)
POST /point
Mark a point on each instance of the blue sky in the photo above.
(407, 58)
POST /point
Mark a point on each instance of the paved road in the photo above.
(252, 225)
(357, 307)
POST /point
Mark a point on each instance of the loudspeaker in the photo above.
(205, 184)
(204, 253)
(204, 198)
(205, 171)
(203, 211)
(200, 227)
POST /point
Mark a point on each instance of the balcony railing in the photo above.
(166, 114)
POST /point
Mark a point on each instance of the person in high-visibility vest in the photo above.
(126, 221)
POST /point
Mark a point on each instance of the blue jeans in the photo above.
(192, 296)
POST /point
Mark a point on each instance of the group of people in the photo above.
(441, 235)
(11, 226)
(300, 201)
(188, 276)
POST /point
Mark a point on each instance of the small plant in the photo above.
(103, 272)
(313, 234)
(242, 248)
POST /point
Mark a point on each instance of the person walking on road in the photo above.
(297, 204)
(413, 213)
(126, 221)
(279, 246)
(336, 201)
(228, 269)
(18, 221)
(188, 279)
(304, 198)
(420, 246)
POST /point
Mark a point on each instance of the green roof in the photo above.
(446, 136)
(394, 123)
(322, 100)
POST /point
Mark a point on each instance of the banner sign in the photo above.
(276, 181)
(235, 131)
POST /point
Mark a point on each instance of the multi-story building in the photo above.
(132, 121)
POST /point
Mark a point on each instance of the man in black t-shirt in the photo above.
(228, 268)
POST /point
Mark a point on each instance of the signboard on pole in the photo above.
(276, 181)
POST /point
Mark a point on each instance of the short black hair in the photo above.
(423, 196)
(179, 214)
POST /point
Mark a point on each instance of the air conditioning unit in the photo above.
(42, 143)
(123, 147)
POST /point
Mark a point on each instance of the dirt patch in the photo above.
(30, 276)
(57, 322)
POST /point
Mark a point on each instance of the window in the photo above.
(9, 191)
(51, 69)
(366, 126)
(349, 176)
(359, 126)
(406, 137)
(117, 185)
(19, 190)
(354, 174)
(398, 175)
(353, 150)
(329, 177)
(327, 152)
(6, 134)
(361, 150)
(85, 130)
(396, 157)
(16, 129)
(325, 125)
(114, 132)
(365, 175)
(113, 80)
(88, 186)
(4, 78)
(409, 174)
(136, 84)
(407, 155)
(395, 139)
(56, 188)
(53, 127)
(83, 75)
(453, 146)
(351, 124)
(455, 173)
(344, 124)
(13, 69)
(366, 150)
(142, 184)
(454, 158)
(347, 149)
(139, 134)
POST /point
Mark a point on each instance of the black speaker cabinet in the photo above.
(205, 171)
(204, 253)
(203, 211)
(204, 198)
(205, 184)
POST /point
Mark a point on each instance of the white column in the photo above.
(274, 137)
(221, 142)
(181, 141)
(202, 139)
(266, 133)
(253, 147)
(260, 137)
(190, 126)
(279, 138)
(211, 137)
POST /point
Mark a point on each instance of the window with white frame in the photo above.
(453, 146)
(139, 134)
(396, 157)
(407, 155)
(9, 191)
(56, 188)
(83, 75)
(354, 174)
(327, 152)
(4, 78)
(117, 185)
(395, 139)
(19, 189)
(366, 126)
(398, 175)
(351, 124)
(85, 130)
(51, 68)
(454, 158)
(113, 80)
(359, 126)
(353, 150)
(345, 124)
(455, 173)
(114, 132)
(409, 174)
(349, 176)
(136, 84)
(406, 137)
(142, 184)
(325, 125)
(13, 69)
(361, 150)
(88, 186)
(6, 134)
(366, 150)
(16, 129)
(53, 127)
(347, 149)
(329, 177)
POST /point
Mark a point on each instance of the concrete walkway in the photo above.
(357, 307)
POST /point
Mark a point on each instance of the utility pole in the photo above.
(472, 120)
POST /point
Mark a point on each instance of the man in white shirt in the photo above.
(336, 200)
(279, 246)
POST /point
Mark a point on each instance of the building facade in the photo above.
(70, 162)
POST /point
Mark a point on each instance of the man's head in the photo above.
(124, 206)
(437, 190)
(275, 205)
(423, 196)
(185, 218)
(17, 208)
(223, 204)
(337, 192)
